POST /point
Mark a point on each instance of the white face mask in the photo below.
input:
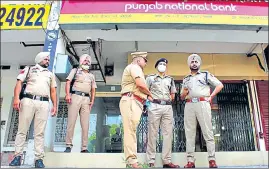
(85, 67)
(161, 68)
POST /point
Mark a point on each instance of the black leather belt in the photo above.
(80, 93)
(35, 97)
(162, 102)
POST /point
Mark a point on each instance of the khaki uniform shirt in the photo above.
(84, 82)
(131, 72)
(199, 84)
(39, 80)
(161, 87)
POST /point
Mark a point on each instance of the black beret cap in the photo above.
(161, 60)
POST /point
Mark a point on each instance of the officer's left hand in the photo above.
(91, 104)
(53, 111)
(209, 99)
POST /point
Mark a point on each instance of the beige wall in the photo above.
(223, 66)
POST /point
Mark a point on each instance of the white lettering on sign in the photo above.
(181, 6)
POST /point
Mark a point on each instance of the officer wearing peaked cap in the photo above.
(134, 93)
(196, 91)
(80, 101)
(160, 113)
(41, 85)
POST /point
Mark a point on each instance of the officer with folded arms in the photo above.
(160, 113)
(41, 85)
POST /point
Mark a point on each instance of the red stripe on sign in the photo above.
(168, 7)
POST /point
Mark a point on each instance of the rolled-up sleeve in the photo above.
(23, 74)
(53, 81)
(71, 74)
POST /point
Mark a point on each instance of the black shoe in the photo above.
(39, 164)
(84, 151)
(67, 150)
(16, 161)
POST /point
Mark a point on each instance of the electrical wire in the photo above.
(259, 61)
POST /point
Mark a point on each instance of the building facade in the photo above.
(221, 32)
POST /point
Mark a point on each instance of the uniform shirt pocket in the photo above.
(167, 83)
(156, 85)
(188, 84)
(79, 77)
(33, 77)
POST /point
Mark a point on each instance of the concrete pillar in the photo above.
(100, 111)
(55, 45)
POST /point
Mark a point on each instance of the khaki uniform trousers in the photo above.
(131, 111)
(202, 112)
(39, 110)
(160, 116)
(79, 105)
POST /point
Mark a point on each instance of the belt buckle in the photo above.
(37, 97)
(163, 102)
(83, 94)
(194, 100)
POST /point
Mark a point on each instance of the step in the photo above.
(248, 159)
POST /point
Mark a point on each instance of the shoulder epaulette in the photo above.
(169, 77)
(186, 76)
(150, 75)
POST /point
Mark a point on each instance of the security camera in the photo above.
(89, 39)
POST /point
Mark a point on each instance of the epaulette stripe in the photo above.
(186, 76)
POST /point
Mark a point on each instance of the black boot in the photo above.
(39, 164)
(16, 161)
(84, 151)
(67, 150)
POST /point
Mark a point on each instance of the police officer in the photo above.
(196, 91)
(41, 85)
(134, 93)
(80, 101)
(160, 113)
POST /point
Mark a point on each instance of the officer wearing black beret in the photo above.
(160, 113)
(161, 60)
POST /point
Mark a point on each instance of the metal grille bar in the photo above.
(61, 122)
(13, 128)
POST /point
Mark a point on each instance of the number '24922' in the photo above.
(22, 16)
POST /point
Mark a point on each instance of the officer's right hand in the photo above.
(16, 104)
(68, 99)
(150, 98)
